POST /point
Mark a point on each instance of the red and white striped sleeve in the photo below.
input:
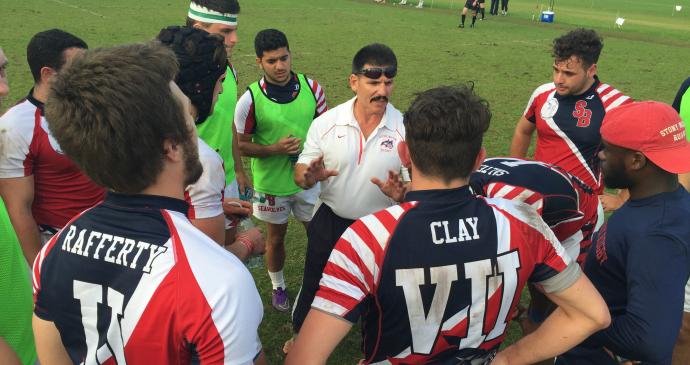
(320, 97)
(354, 266)
(510, 192)
(521, 228)
(245, 120)
(611, 97)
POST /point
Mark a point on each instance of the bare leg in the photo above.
(681, 353)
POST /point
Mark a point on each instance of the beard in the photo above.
(193, 167)
(616, 178)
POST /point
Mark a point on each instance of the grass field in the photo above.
(505, 57)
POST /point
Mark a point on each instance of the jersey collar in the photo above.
(35, 101)
(440, 195)
(145, 202)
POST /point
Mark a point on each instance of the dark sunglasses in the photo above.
(376, 72)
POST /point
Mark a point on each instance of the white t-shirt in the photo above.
(337, 136)
(205, 197)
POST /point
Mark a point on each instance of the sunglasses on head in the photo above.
(376, 72)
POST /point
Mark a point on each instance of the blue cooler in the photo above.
(547, 16)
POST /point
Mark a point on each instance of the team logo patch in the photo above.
(386, 143)
(549, 109)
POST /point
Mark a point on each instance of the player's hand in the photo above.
(235, 208)
(243, 182)
(288, 145)
(610, 202)
(256, 238)
(316, 171)
(393, 187)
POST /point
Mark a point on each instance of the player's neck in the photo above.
(587, 85)
(40, 92)
(422, 182)
(164, 187)
(650, 186)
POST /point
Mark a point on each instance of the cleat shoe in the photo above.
(461, 26)
(280, 300)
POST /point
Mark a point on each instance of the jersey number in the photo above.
(485, 280)
(90, 296)
(582, 114)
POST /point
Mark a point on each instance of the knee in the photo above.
(684, 335)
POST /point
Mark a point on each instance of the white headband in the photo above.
(202, 14)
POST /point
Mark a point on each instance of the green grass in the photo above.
(505, 57)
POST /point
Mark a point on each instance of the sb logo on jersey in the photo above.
(582, 114)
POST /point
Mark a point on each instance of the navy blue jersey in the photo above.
(565, 203)
(440, 275)
(568, 128)
(132, 281)
(640, 262)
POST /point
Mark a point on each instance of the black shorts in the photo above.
(470, 4)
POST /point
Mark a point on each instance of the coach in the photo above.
(346, 148)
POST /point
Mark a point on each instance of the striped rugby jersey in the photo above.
(131, 281)
(440, 275)
(568, 128)
(565, 203)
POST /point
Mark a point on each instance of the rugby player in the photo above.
(221, 17)
(202, 61)
(567, 113)
(436, 278)
(272, 119)
(41, 187)
(471, 5)
(131, 280)
(565, 203)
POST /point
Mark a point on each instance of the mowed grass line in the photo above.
(505, 58)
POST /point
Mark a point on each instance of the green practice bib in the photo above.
(15, 293)
(216, 131)
(274, 175)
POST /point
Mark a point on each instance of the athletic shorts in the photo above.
(469, 4)
(231, 191)
(276, 209)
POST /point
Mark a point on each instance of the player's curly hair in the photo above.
(202, 61)
(444, 128)
(585, 44)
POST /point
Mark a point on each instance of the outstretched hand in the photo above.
(316, 171)
(393, 187)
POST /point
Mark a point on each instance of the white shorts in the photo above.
(231, 191)
(686, 306)
(276, 209)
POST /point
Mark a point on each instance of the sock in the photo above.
(474, 19)
(277, 279)
(482, 13)
(463, 19)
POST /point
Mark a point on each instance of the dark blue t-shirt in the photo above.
(640, 262)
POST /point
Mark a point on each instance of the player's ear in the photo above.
(353, 84)
(592, 70)
(404, 153)
(481, 156)
(172, 151)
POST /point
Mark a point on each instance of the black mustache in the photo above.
(380, 98)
